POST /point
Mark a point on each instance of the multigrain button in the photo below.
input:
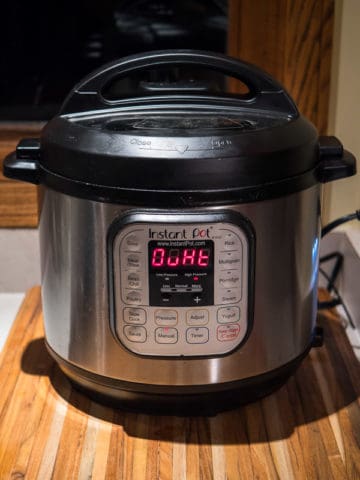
(135, 333)
(197, 317)
(197, 335)
(166, 335)
(228, 314)
(133, 297)
(136, 316)
(132, 242)
(227, 333)
(166, 318)
(229, 260)
(133, 260)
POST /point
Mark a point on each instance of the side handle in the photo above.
(23, 164)
(335, 162)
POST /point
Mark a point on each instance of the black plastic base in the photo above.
(176, 400)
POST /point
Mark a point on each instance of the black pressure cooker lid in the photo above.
(178, 140)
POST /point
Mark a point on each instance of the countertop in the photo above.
(309, 428)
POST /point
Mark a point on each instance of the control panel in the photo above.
(180, 289)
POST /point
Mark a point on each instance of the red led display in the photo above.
(180, 257)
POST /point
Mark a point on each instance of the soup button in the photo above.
(227, 333)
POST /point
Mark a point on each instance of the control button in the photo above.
(136, 316)
(231, 295)
(133, 261)
(134, 296)
(229, 260)
(197, 317)
(135, 334)
(228, 314)
(197, 335)
(227, 333)
(197, 299)
(133, 280)
(229, 279)
(166, 318)
(166, 335)
(132, 242)
(230, 241)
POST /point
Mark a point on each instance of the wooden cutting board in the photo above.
(310, 428)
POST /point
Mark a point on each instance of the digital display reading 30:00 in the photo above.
(179, 257)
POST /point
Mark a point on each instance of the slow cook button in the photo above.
(197, 317)
(135, 333)
(136, 316)
(227, 333)
(228, 314)
(229, 279)
(197, 335)
(230, 295)
(166, 318)
(229, 260)
(230, 241)
(133, 297)
(166, 335)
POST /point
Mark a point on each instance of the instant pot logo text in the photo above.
(179, 234)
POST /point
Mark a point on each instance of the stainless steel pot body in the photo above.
(75, 291)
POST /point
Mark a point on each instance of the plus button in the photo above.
(197, 299)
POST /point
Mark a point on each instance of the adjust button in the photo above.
(135, 333)
(197, 317)
(166, 318)
(197, 335)
(228, 314)
(136, 316)
(166, 335)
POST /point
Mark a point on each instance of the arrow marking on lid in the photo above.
(181, 148)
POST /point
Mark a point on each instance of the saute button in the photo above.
(226, 333)
(228, 314)
(133, 280)
(230, 241)
(166, 335)
(197, 317)
(166, 318)
(135, 334)
(133, 297)
(136, 316)
(197, 335)
(132, 242)
(229, 260)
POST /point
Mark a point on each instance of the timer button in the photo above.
(197, 317)
(132, 242)
(197, 335)
(136, 316)
(135, 333)
(166, 318)
(166, 335)
(228, 314)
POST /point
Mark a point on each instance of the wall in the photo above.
(343, 196)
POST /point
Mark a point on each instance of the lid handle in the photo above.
(264, 91)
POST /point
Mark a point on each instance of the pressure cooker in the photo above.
(179, 230)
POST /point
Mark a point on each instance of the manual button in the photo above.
(166, 318)
(197, 335)
(135, 333)
(197, 317)
(166, 335)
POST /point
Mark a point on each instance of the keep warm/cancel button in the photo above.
(226, 333)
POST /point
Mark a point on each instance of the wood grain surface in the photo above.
(309, 429)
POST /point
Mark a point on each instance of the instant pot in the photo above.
(179, 234)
